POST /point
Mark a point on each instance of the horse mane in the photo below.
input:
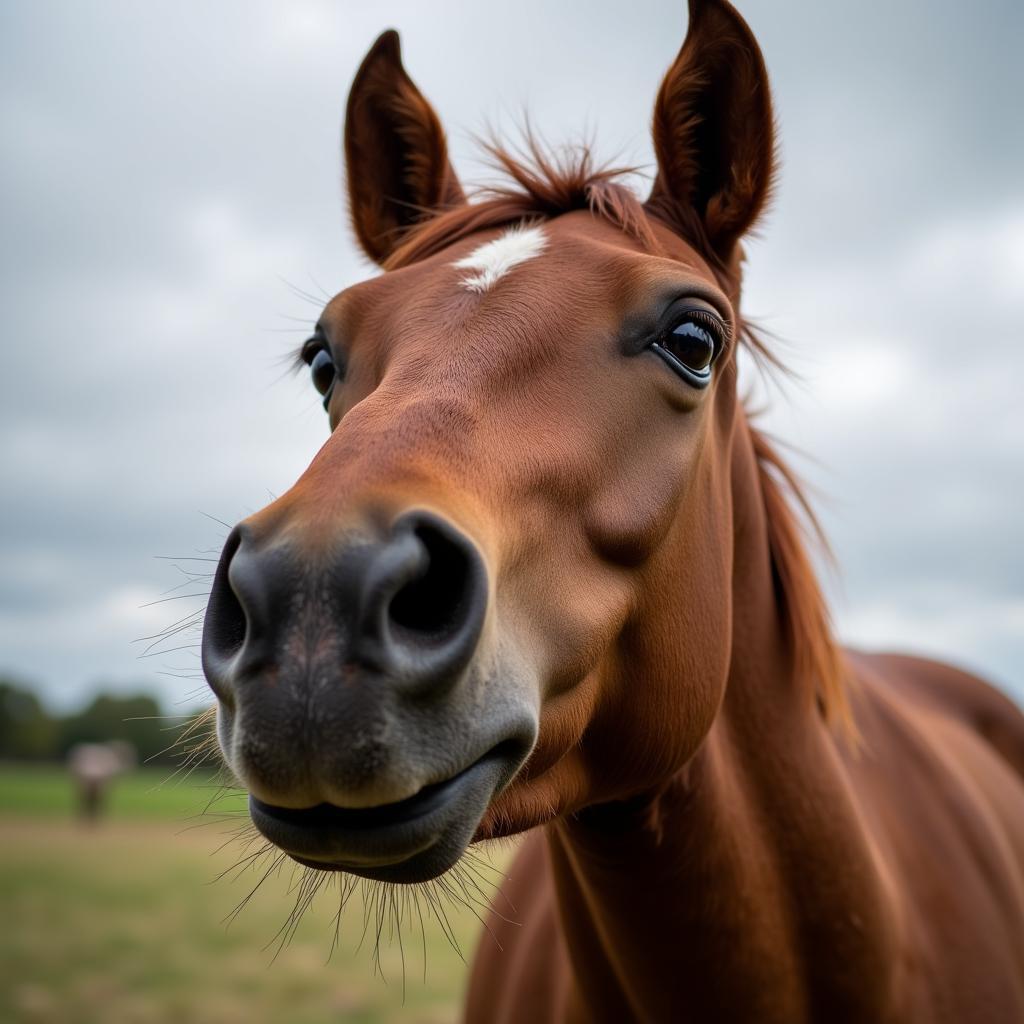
(817, 658)
(544, 184)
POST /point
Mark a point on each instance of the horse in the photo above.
(546, 576)
(93, 768)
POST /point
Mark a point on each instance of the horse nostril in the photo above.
(225, 625)
(423, 602)
(432, 604)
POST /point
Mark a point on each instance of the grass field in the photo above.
(147, 794)
(124, 921)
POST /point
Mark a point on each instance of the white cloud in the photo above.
(978, 258)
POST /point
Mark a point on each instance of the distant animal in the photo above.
(93, 767)
(546, 575)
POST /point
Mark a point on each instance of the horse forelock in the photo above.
(541, 185)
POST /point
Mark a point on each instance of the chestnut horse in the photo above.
(545, 575)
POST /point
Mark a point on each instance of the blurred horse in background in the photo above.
(93, 767)
(546, 575)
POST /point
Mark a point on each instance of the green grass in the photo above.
(47, 791)
(124, 922)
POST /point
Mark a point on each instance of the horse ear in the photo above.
(714, 132)
(395, 152)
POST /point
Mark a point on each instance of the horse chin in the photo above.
(412, 840)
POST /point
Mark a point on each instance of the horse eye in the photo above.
(323, 372)
(690, 346)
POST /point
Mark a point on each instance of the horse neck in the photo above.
(746, 881)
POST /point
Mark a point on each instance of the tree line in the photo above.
(30, 732)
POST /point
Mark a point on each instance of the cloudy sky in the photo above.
(170, 184)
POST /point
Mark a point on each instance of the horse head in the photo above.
(503, 589)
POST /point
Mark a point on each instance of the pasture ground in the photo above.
(124, 922)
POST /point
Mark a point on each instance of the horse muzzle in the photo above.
(357, 701)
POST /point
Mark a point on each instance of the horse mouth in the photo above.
(412, 840)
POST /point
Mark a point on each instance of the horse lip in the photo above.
(342, 838)
(330, 816)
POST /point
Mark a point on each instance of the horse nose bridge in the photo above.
(409, 444)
